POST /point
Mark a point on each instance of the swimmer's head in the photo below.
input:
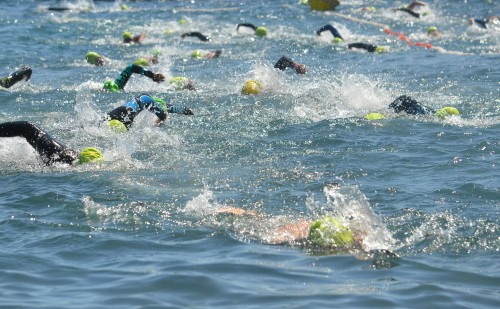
(89, 155)
(447, 111)
(111, 86)
(330, 232)
(92, 57)
(117, 126)
(374, 116)
(380, 49)
(143, 62)
(261, 31)
(161, 103)
(127, 36)
(251, 87)
(431, 30)
(181, 83)
(337, 40)
(124, 7)
(155, 53)
(197, 54)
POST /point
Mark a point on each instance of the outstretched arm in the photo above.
(370, 48)
(246, 25)
(330, 28)
(285, 62)
(122, 80)
(9, 81)
(196, 34)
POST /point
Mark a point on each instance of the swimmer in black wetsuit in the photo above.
(332, 29)
(482, 23)
(368, 47)
(120, 82)
(285, 62)
(410, 8)
(196, 34)
(259, 31)
(9, 81)
(410, 106)
(49, 149)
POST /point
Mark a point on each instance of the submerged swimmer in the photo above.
(285, 62)
(15, 77)
(368, 47)
(259, 31)
(410, 106)
(199, 35)
(121, 118)
(129, 38)
(198, 54)
(410, 8)
(49, 149)
(483, 23)
(120, 82)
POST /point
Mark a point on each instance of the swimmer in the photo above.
(483, 23)
(128, 111)
(333, 30)
(434, 32)
(95, 59)
(9, 81)
(368, 47)
(410, 8)
(285, 62)
(259, 31)
(327, 232)
(196, 34)
(120, 82)
(128, 38)
(198, 54)
(148, 60)
(49, 149)
(408, 105)
(181, 83)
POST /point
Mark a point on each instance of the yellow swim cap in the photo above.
(323, 5)
(89, 155)
(92, 57)
(337, 40)
(127, 35)
(374, 116)
(197, 54)
(117, 126)
(447, 111)
(143, 62)
(179, 82)
(431, 29)
(261, 31)
(330, 232)
(379, 49)
(251, 87)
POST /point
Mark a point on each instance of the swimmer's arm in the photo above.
(414, 4)
(246, 25)
(332, 29)
(196, 34)
(290, 233)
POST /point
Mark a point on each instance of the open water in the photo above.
(139, 230)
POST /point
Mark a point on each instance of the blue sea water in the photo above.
(140, 230)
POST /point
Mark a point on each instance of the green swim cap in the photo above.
(161, 103)
(89, 155)
(261, 31)
(431, 29)
(92, 57)
(374, 116)
(155, 53)
(447, 111)
(117, 126)
(251, 87)
(127, 35)
(124, 7)
(330, 232)
(197, 54)
(111, 86)
(143, 62)
(179, 82)
(337, 40)
(379, 49)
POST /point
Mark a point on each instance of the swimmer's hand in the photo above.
(187, 111)
(158, 77)
(27, 72)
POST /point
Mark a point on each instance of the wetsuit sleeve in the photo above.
(122, 80)
(246, 25)
(409, 106)
(480, 22)
(416, 15)
(370, 48)
(330, 28)
(15, 77)
(196, 34)
(179, 109)
(283, 63)
(149, 104)
(49, 149)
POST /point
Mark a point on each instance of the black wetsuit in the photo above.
(49, 149)
(127, 112)
(414, 14)
(9, 81)
(410, 106)
(335, 32)
(370, 48)
(122, 80)
(196, 34)
(246, 25)
(283, 63)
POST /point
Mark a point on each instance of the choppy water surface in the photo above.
(140, 230)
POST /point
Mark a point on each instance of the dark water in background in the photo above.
(138, 231)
